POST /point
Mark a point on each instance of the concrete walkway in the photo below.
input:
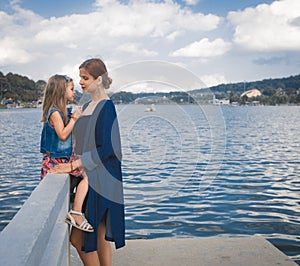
(245, 251)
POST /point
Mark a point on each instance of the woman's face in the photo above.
(70, 92)
(87, 81)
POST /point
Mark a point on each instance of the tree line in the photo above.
(274, 91)
(20, 88)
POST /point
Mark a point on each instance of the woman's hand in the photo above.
(66, 167)
(61, 168)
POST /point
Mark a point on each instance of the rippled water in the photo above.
(188, 170)
(19, 159)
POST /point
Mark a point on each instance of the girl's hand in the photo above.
(77, 112)
(61, 169)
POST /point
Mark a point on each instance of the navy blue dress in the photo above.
(97, 140)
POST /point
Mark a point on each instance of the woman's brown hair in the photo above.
(96, 67)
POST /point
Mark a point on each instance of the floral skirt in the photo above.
(49, 163)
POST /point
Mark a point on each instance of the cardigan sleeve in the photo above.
(107, 139)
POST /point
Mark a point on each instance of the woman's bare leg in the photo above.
(104, 247)
(88, 259)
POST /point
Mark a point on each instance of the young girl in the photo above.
(56, 140)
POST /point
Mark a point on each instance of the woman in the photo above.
(97, 140)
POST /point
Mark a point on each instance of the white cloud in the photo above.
(148, 87)
(213, 79)
(136, 49)
(39, 47)
(5, 19)
(191, 2)
(14, 2)
(157, 19)
(16, 31)
(128, 31)
(103, 3)
(110, 24)
(172, 36)
(204, 48)
(54, 34)
(268, 27)
(185, 19)
(12, 53)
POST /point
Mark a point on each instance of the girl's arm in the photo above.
(62, 131)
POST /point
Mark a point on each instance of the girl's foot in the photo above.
(78, 220)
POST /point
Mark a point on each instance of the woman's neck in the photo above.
(96, 97)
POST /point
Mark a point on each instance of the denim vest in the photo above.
(50, 143)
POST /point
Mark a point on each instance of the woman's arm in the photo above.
(66, 167)
(107, 139)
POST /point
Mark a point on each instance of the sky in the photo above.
(218, 41)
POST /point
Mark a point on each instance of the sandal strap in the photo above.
(85, 224)
(76, 212)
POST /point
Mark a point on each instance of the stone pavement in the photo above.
(206, 251)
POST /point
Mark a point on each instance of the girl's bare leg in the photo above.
(104, 247)
(80, 195)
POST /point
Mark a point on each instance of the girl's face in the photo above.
(87, 81)
(70, 92)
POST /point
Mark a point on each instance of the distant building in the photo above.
(221, 101)
(10, 101)
(251, 93)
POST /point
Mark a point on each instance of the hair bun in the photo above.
(106, 82)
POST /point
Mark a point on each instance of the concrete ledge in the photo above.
(37, 234)
(57, 249)
(246, 251)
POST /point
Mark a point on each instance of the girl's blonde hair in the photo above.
(55, 96)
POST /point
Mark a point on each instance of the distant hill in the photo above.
(292, 82)
(20, 88)
(274, 91)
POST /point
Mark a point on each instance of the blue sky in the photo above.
(59, 8)
(220, 41)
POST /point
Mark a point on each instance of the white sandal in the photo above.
(84, 226)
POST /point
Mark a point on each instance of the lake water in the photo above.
(188, 170)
